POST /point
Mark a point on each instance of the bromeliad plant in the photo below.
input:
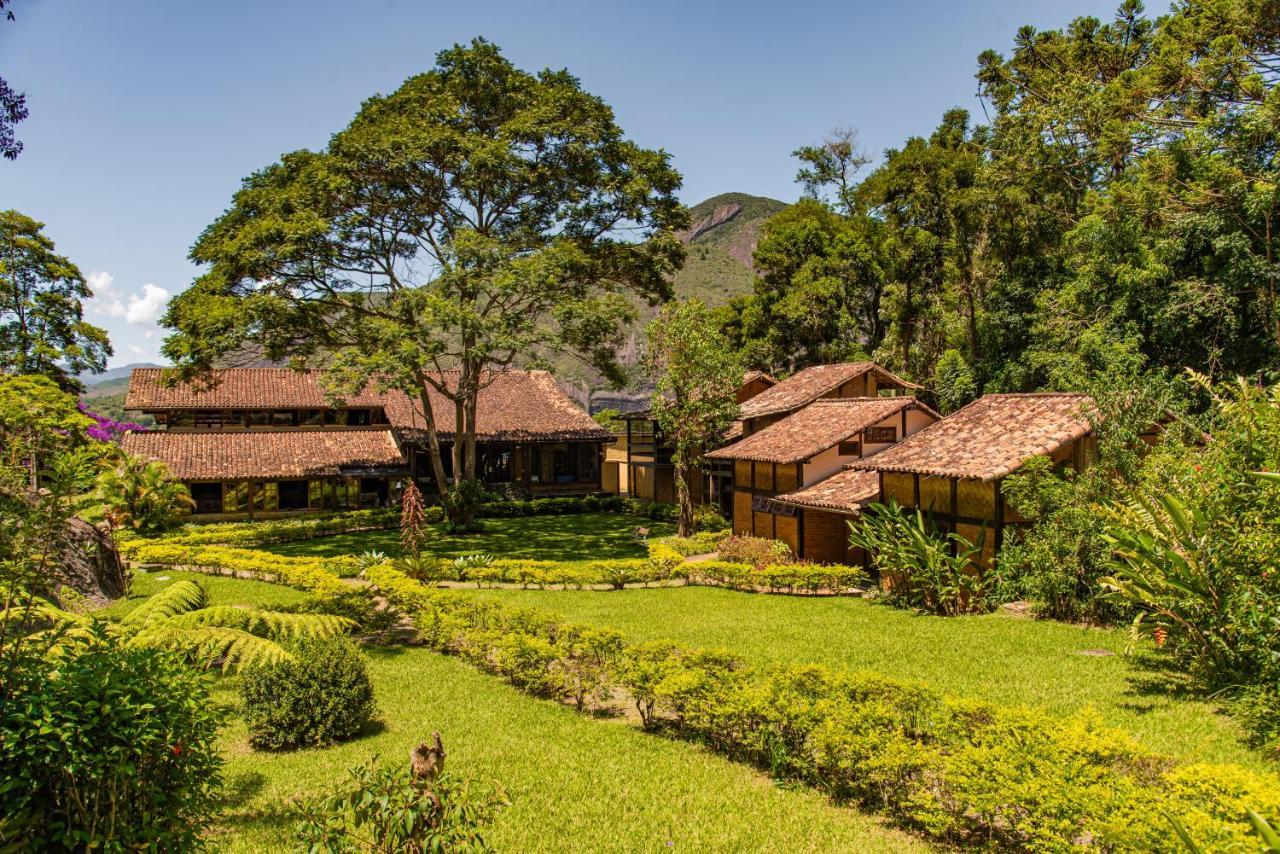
(919, 566)
(179, 618)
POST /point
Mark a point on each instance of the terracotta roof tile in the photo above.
(989, 438)
(846, 491)
(812, 383)
(515, 405)
(266, 454)
(819, 426)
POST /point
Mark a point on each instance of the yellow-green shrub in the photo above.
(316, 575)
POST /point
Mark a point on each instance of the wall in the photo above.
(826, 538)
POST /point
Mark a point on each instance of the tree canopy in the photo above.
(1119, 208)
(478, 217)
(42, 326)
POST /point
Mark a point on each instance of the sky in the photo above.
(146, 114)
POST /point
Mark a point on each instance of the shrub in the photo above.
(700, 543)
(316, 575)
(381, 809)
(105, 747)
(708, 518)
(757, 551)
(919, 567)
(321, 696)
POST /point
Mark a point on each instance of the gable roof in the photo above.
(812, 383)
(514, 405)
(846, 491)
(267, 453)
(819, 426)
(752, 376)
(989, 438)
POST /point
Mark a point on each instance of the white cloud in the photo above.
(109, 301)
(105, 300)
(148, 307)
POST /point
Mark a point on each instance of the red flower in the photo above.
(1161, 636)
(176, 750)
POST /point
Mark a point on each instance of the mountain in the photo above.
(114, 374)
(721, 238)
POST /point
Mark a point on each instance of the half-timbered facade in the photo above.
(805, 449)
(267, 440)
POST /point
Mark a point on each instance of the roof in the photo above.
(846, 491)
(812, 383)
(989, 438)
(752, 376)
(819, 426)
(266, 453)
(514, 405)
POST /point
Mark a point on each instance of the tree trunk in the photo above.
(684, 500)
(433, 438)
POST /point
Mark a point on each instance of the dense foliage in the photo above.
(321, 694)
(42, 326)
(380, 809)
(920, 566)
(139, 494)
(1120, 205)
(104, 747)
(694, 399)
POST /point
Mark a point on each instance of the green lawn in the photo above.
(222, 591)
(997, 657)
(575, 784)
(579, 536)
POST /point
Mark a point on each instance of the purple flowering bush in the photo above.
(106, 429)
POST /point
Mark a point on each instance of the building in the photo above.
(774, 466)
(848, 379)
(260, 441)
(954, 468)
(639, 463)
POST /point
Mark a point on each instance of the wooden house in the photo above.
(848, 379)
(639, 463)
(803, 450)
(954, 468)
(261, 441)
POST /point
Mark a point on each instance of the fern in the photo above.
(178, 598)
(210, 646)
(266, 624)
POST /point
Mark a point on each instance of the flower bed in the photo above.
(315, 575)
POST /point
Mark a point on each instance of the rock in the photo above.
(1016, 609)
(90, 564)
(719, 216)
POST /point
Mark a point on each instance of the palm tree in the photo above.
(140, 494)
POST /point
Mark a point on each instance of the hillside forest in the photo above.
(1114, 212)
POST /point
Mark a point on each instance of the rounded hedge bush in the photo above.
(320, 696)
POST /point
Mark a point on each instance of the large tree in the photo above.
(42, 326)
(695, 399)
(478, 217)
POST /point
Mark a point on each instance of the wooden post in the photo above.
(250, 492)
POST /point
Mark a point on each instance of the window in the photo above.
(266, 497)
(588, 459)
(235, 497)
(208, 421)
(285, 418)
(293, 494)
(881, 434)
(849, 449)
(358, 418)
(312, 417)
(207, 496)
(258, 418)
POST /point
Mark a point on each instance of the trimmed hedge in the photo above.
(778, 578)
(316, 575)
(700, 543)
(271, 531)
(962, 772)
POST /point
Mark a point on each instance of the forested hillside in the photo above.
(1117, 214)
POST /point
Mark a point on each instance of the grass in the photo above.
(997, 657)
(223, 590)
(579, 536)
(574, 783)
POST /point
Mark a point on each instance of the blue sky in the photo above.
(145, 115)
